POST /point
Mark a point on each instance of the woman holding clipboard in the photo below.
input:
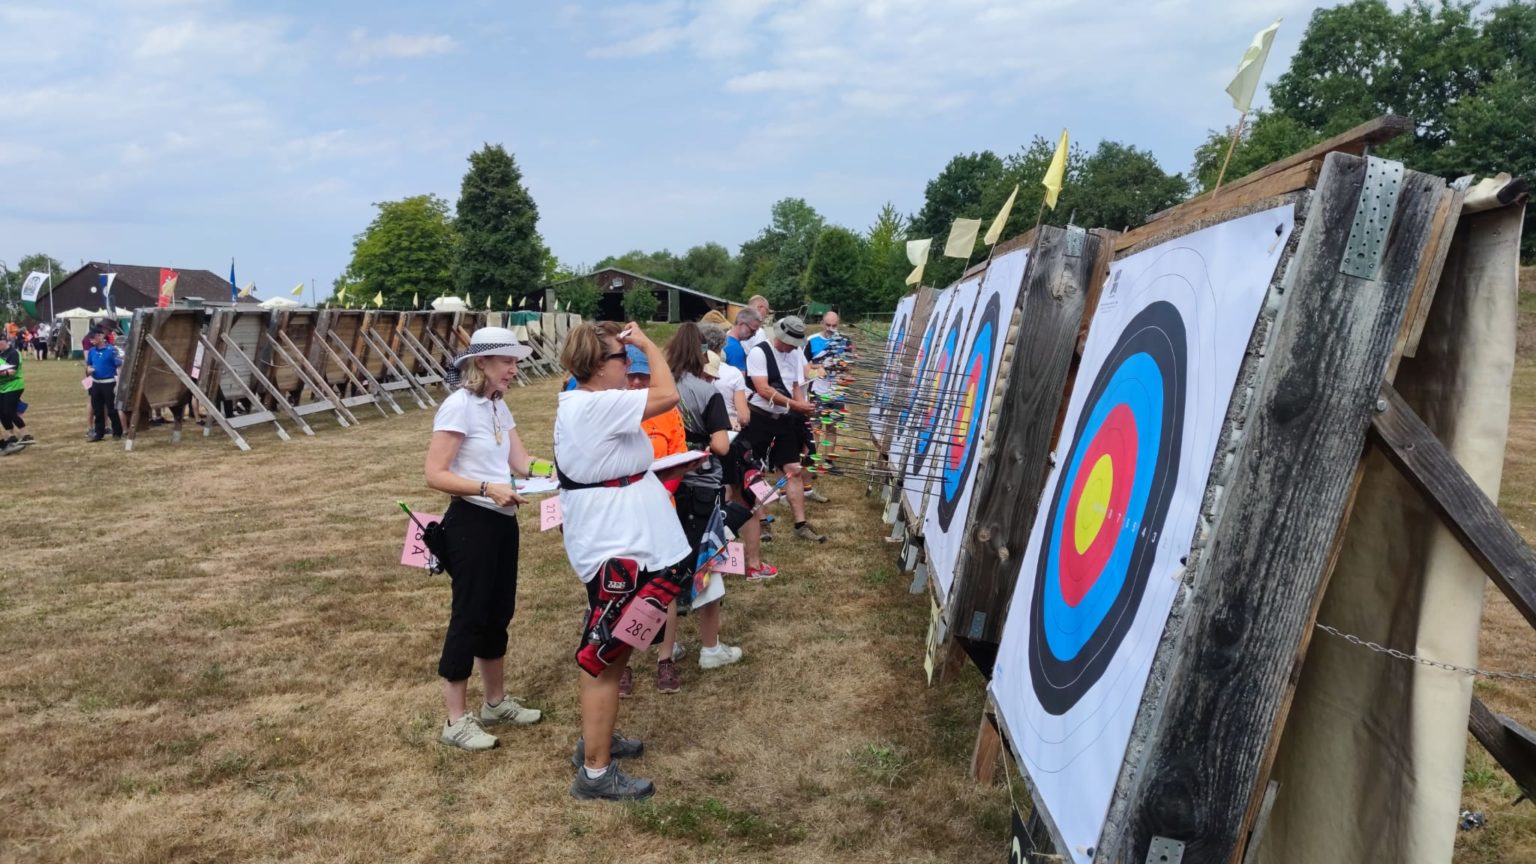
(621, 535)
(475, 452)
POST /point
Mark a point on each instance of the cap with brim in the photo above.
(711, 364)
(790, 330)
(487, 342)
(638, 364)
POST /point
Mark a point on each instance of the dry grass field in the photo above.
(207, 655)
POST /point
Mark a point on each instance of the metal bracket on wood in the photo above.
(1373, 218)
(1164, 851)
(891, 512)
(978, 625)
(1075, 237)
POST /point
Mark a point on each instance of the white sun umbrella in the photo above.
(449, 304)
(279, 303)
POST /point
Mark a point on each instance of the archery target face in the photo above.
(1121, 504)
(937, 392)
(1106, 514)
(974, 384)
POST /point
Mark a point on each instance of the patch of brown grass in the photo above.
(213, 655)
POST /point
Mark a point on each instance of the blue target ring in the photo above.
(1105, 513)
(929, 413)
(975, 375)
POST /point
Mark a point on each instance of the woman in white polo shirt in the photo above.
(620, 530)
(475, 452)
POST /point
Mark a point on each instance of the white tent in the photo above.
(280, 303)
(449, 304)
(79, 323)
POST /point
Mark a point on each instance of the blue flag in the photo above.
(234, 291)
(104, 281)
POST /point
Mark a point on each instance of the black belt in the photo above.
(616, 483)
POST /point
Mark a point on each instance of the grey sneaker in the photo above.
(508, 711)
(813, 495)
(622, 748)
(806, 532)
(614, 785)
(467, 734)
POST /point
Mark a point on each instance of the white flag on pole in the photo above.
(32, 286)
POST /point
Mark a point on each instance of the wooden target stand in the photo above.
(1030, 416)
(236, 346)
(1044, 328)
(293, 337)
(158, 368)
(1330, 338)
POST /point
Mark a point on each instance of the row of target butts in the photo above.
(1122, 466)
(238, 368)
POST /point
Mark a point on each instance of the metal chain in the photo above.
(1424, 661)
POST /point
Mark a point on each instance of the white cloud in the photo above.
(362, 48)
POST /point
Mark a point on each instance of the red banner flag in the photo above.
(167, 287)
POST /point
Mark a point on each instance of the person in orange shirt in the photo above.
(667, 438)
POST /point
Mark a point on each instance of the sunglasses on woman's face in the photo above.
(617, 355)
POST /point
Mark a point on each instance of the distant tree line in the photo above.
(1467, 78)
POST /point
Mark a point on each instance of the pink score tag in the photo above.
(761, 490)
(734, 561)
(414, 553)
(85, 383)
(549, 513)
(640, 623)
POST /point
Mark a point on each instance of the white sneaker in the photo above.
(508, 711)
(467, 734)
(720, 655)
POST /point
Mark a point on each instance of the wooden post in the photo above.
(1207, 735)
(989, 746)
(374, 395)
(313, 378)
(271, 389)
(212, 358)
(1012, 471)
(197, 393)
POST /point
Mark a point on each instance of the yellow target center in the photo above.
(1094, 505)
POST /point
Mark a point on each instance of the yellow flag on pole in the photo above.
(378, 300)
(248, 290)
(416, 300)
(487, 302)
(468, 302)
(917, 253)
(1246, 81)
(995, 232)
(962, 238)
(298, 290)
(1055, 173)
(509, 301)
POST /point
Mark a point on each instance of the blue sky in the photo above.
(187, 132)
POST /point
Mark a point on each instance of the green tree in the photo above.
(640, 304)
(1268, 136)
(11, 279)
(962, 189)
(833, 275)
(795, 226)
(885, 262)
(500, 253)
(407, 248)
(661, 265)
(581, 295)
(1445, 65)
(1121, 185)
(708, 268)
